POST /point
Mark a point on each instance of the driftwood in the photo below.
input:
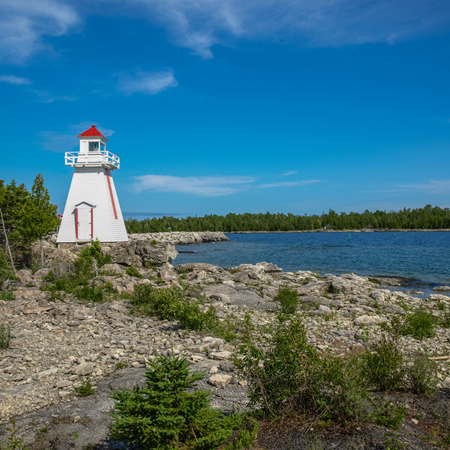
(439, 358)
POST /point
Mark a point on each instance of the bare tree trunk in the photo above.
(7, 244)
(42, 252)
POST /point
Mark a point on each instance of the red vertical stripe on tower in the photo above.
(108, 174)
(92, 223)
(76, 223)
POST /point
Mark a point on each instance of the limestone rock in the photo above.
(113, 268)
(157, 255)
(220, 355)
(84, 369)
(220, 381)
(123, 253)
(441, 288)
(368, 320)
(269, 268)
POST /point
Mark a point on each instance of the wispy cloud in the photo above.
(289, 183)
(432, 187)
(66, 140)
(202, 24)
(211, 186)
(23, 23)
(146, 82)
(293, 172)
(12, 79)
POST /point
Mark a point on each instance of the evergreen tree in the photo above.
(38, 216)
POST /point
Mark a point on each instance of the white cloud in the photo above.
(67, 140)
(201, 24)
(146, 82)
(293, 172)
(23, 23)
(432, 187)
(12, 79)
(209, 186)
(289, 183)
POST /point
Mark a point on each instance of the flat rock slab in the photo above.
(241, 296)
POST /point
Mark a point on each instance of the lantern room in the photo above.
(92, 141)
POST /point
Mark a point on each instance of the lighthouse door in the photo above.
(85, 225)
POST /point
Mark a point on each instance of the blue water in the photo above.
(421, 255)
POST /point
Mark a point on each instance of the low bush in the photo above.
(386, 414)
(170, 304)
(79, 282)
(420, 324)
(90, 292)
(445, 322)
(384, 365)
(5, 336)
(7, 296)
(289, 376)
(288, 299)
(164, 415)
(154, 242)
(133, 272)
(422, 375)
(95, 250)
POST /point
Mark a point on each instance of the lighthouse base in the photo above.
(92, 209)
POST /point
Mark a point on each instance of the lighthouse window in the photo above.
(102, 146)
(93, 146)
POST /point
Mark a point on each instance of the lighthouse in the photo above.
(92, 208)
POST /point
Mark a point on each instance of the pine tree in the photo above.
(38, 215)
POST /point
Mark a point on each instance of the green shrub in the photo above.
(164, 415)
(288, 299)
(170, 304)
(90, 292)
(133, 272)
(422, 375)
(154, 242)
(7, 295)
(288, 375)
(85, 388)
(384, 365)
(5, 336)
(445, 322)
(420, 324)
(386, 414)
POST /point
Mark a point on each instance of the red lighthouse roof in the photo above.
(92, 132)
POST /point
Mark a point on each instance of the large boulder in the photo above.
(199, 267)
(123, 253)
(142, 253)
(157, 254)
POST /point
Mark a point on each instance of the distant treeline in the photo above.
(421, 218)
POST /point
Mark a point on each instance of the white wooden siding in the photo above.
(90, 185)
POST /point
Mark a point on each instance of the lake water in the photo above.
(424, 256)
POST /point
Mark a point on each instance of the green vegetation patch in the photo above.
(171, 304)
(163, 415)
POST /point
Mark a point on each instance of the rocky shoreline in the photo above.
(362, 230)
(56, 344)
(181, 237)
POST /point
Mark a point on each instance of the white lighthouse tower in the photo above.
(92, 209)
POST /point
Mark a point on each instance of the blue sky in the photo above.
(233, 106)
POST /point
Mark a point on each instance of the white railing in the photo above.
(97, 158)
